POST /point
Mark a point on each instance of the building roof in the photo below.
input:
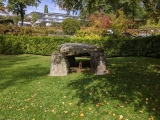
(59, 14)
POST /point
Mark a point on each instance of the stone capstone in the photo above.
(78, 49)
(98, 63)
(59, 65)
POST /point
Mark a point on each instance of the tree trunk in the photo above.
(22, 12)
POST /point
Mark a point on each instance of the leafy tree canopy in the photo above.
(35, 17)
(19, 6)
(152, 8)
(2, 8)
(131, 8)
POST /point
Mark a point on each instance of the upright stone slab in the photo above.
(59, 65)
(98, 63)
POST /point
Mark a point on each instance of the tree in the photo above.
(82, 5)
(89, 6)
(152, 8)
(99, 21)
(35, 17)
(16, 18)
(131, 8)
(19, 7)
(2, 8)
(45, 8)
(119, 23)
(97, 25)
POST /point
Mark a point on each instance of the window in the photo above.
(53, 16)
(60, 17)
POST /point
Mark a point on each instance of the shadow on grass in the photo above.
(13, 71)
(132, 81)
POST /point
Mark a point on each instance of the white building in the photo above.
(24, 23)
(48, 18)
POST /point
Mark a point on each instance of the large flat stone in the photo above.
(78, 49)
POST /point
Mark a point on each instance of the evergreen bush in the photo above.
(70, 26)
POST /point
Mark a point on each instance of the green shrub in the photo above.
(70, 26)
(89, 33)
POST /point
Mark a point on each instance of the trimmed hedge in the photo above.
(35, 45)
(147, 47)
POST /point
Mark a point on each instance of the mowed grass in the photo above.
(130, 90)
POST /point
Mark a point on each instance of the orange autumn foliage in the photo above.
(99, 20)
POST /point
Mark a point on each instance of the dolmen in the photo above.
(62, 59)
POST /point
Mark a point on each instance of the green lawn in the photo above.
(132, 89)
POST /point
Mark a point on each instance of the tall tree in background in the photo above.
(35, 17)
(45, 8)
(19, 7)
(152, 8)
(131, 8)
(16, 18)
(90, 6)
(119, 23)
(2, 8)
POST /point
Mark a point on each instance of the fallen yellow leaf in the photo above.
(10, 107)
(52, 111)
(70, 103)
(65, 111)
(97, 105)
(81, 114)
(120, 117)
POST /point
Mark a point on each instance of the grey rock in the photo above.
(98, 63)
(78, 49)
(59, 65)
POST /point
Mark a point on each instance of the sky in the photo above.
(51, 7)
